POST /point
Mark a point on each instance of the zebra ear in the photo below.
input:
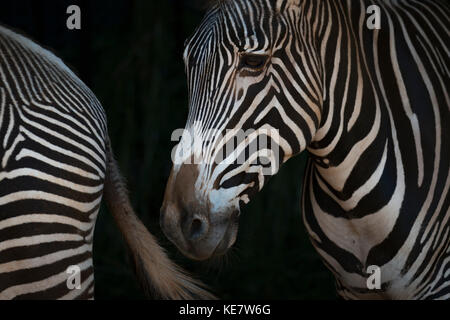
(282, 5)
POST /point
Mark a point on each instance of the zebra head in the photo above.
(254, 84)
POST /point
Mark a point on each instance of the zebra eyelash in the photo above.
(252, 63)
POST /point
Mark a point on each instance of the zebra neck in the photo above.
(379, 169)
(354, 150)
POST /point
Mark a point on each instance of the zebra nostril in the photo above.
(198, 229)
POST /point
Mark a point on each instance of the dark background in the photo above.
(130, 54)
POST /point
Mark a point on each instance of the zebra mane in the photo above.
(217, 3)
(277, 4)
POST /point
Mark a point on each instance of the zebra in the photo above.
(369, 105)
(56, 163)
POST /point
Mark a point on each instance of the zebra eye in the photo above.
(253, 61)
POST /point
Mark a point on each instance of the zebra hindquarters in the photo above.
(52, 171)
(47, 217)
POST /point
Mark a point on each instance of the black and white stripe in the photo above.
(52, 170)
(370, 106)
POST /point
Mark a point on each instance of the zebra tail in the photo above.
(157, 274)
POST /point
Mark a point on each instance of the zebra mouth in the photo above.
(197, 251)
(227, 241)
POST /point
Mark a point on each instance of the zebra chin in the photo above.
(197, 229)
